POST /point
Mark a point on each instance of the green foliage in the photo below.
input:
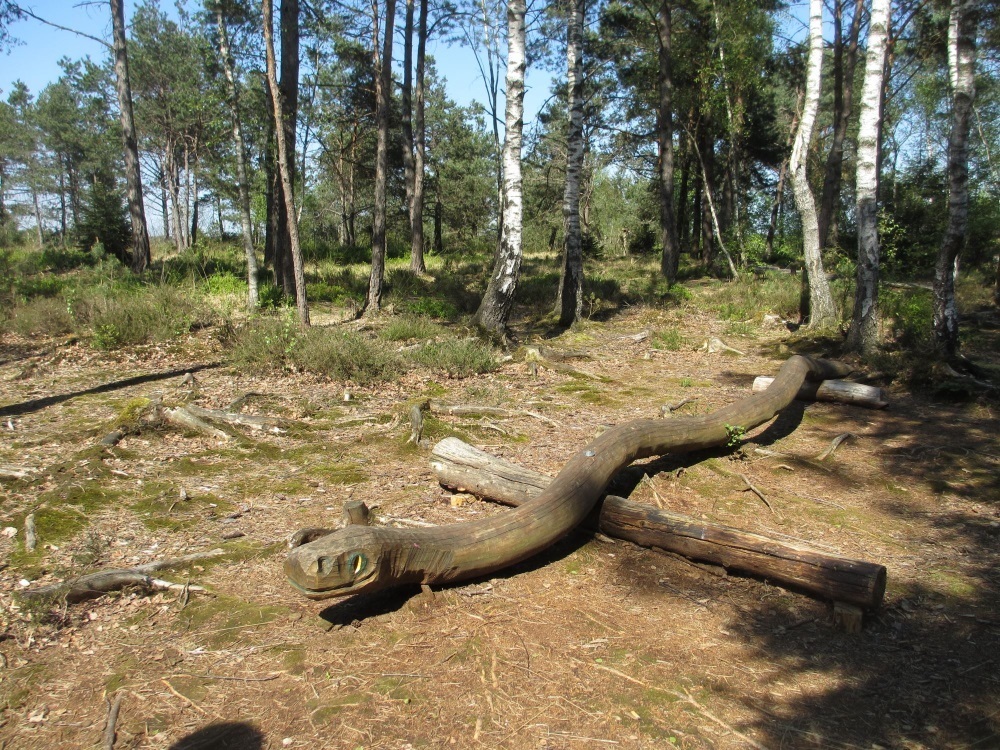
(345, 355)
(668, 339)
(105, 220)
(265, 342)
(225, 283)
(139, 317)
(750, 299)
(734, 434)
(409, 327)
(907, 315)
(277, 342)
(459, 358)
(44, 315)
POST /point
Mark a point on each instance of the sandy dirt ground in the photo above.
(595, 644)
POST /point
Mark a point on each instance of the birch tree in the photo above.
(822, 310)
(962, 26)
(569, 302)
(494, 310)
(863, 335)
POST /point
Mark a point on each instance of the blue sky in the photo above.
(35, 60)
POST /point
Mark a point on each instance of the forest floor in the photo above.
(594, 644)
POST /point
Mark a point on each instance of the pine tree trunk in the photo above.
(246, 221)
(133, 177)
(284, 166)
(494, 311)
(289, 87)
(420, 139)
(863, 335)
(569, 301)
(670, 258)
(823, 310)
(406, 105)
(38, 217)
(961, 62)
(843, 98)
(383, 101)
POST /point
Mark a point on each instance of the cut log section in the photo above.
(462, 467)
(837, 391)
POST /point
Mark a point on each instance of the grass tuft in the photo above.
(460, 358)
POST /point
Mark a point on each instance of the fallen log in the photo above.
(837, 391)
(359, 558)
(461, 467)
(104, 581)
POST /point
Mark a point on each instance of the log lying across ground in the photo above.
(837, 391)
(362, 558)
(461, 467)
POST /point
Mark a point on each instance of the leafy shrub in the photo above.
(669, 339)
(907, 315)
(458, 358)
(345, 355)
(277, 342)
(137, 317)
(270, 297)
(432, 307)
(226, 283)
(46, 316)
(265, 342)
(409, 327)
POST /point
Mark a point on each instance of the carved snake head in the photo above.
(348, 561)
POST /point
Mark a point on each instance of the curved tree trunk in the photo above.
(494, 311)
(569, 302)
(823, 310)
(333, 566)
(863, 335)
(961, 61)
(133, 177)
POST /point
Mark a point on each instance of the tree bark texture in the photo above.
(844, 64)
(495, 308)
(365, 559)
(383, 91)
(246, 222)
(961, 62)
(863, 335)
(569, 301)
(461, 467)
(133, 177)
(822, 309)
(419, 148)
(670, 258)
(285, 165)
(406, 104)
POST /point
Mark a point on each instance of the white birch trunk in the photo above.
(863, 335)
(569, 302)
(961, 64)
(823, 311)
(494, 311)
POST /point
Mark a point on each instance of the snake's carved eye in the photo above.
(325, 565)
(356, 563)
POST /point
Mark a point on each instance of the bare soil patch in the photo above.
(593, 644)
